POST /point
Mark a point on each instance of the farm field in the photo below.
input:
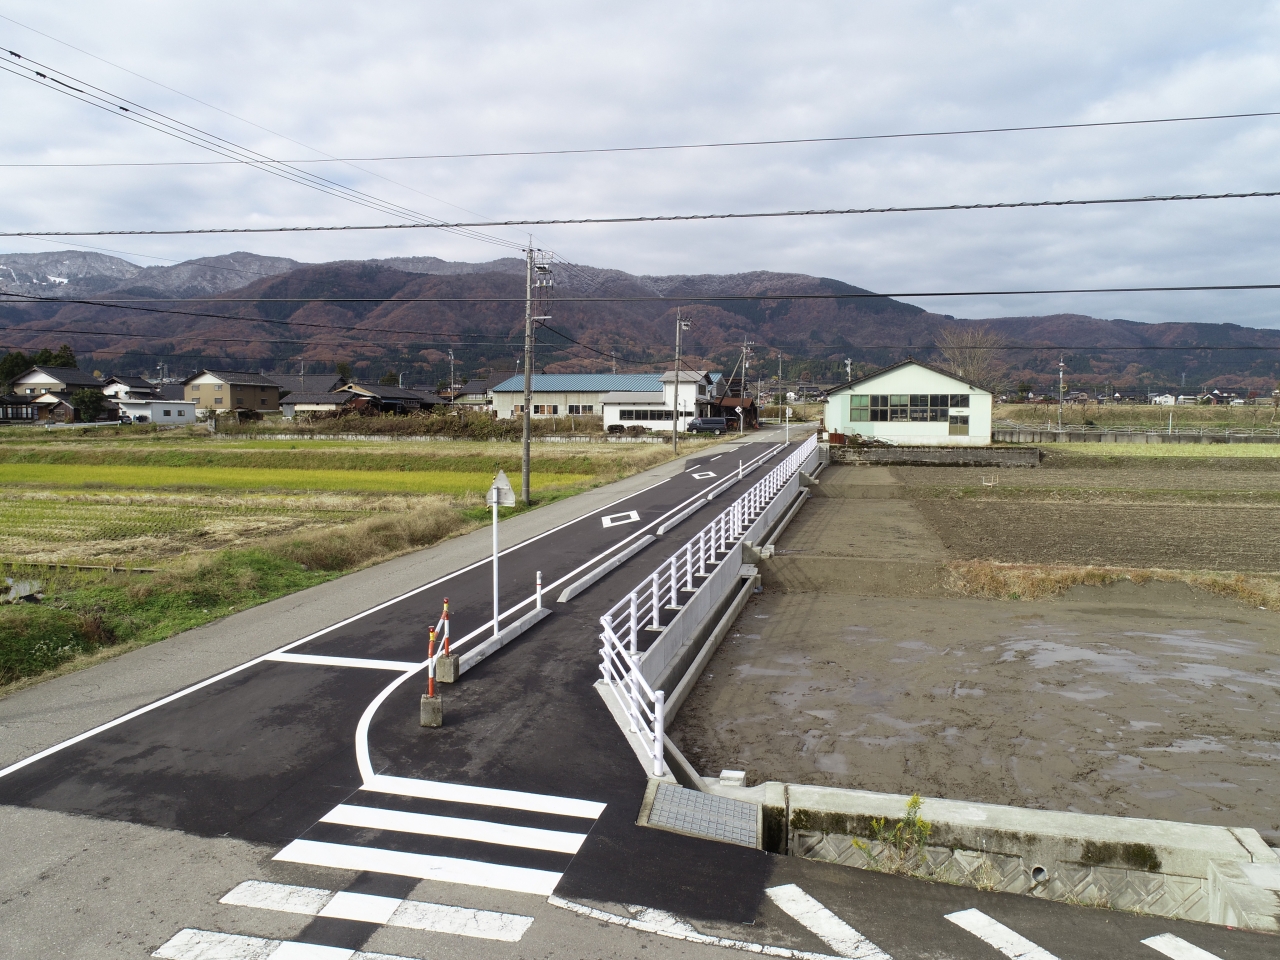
(1096, 634)
(219, 524)
(1140, 414)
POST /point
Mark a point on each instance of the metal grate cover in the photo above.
(704, 815)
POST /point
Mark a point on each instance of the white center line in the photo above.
(996, 934)
(427, 825)
(833, 931)
(1175, 948)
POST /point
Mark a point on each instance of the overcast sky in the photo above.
(395, 78)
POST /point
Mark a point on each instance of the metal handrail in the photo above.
(620, 652)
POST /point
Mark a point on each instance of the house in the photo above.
(226, 390)
(475, 393)
(306, 382)
(911, 403)
(656, 409)
(392, 399)
(129, 388)
(158, 410)
(1164, 400)
(568, 394)
(17, 408)
(59, 380)
(54, 408)
(337, 402)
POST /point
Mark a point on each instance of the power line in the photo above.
(329, 158)
(666, 147)
(87, 93)
(670, 218)
(688, 299)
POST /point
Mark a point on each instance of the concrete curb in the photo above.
(494, 644)
(607, 567)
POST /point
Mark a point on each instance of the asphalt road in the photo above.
(233, 820)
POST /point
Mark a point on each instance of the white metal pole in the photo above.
(788, 438)
(659, 708)
(539, 589)
(495, 566)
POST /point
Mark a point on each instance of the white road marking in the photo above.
(375, 818)
(1178, 949)
(441, 918)
(676, 932)
(661, 918)
(833, 931)
(484, 796)
(716, 457)
(996, 934)
(315, 660)
(707, 475)
(192, 944)
(475, 873)
(410, 914)
(613, 520)
(364, 907)
(282, 897)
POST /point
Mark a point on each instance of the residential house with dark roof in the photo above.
(59, 380)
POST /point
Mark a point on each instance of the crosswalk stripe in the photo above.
(484, 796)
(410, 914)
(532, 838)
(1175, 948)
(833, 931)
(190, 944)
(473, 873)
(996, 934)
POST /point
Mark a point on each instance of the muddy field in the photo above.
(1154, 700)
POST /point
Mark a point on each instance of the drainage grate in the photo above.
(704, 815)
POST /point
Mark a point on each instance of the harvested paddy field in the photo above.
(874, 658)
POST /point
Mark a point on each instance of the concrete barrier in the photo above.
(936, 456)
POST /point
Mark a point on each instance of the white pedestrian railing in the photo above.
(641, 609)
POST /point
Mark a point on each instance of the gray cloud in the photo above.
(395, 78)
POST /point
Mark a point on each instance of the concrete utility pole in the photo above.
(1061, 393)
(452, 382)
(681, 325)
(537, 285)
(848, 369)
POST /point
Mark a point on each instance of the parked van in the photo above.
(716, 425)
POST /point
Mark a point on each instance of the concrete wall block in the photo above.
(1245, 895)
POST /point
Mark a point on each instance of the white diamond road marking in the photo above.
(705, 475)
(375, 818)
(207, 945)
(613, 520)
(996, 934)
(1178, 949)
(833, 931)
(475, 873)
(410, 914)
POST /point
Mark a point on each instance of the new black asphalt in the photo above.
(263, 754)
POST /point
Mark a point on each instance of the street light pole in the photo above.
(500, 494)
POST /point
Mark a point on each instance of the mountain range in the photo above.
(246, 311)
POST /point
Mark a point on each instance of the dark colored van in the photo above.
(716, 425)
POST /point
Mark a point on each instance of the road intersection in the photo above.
(294, 808)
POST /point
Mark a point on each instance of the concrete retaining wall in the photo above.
(936, 456)
(1178, 870)
(1031, 435)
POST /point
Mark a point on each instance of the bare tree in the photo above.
(974, 354)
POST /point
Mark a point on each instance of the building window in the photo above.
(552, 409)
(859, 408)
(168, 413)
(262, 401)
(217, 387)
(959, 426)
(645, 415)
(195, 388)
(518, 408)
(577, 409)
(182, 413)
(218, 402)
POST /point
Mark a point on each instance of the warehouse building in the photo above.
(911, 403)
(569, 394)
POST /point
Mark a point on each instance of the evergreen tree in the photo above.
(12, 365)
(88, 403)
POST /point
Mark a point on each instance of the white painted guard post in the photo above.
(500, 495)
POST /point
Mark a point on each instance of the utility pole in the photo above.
(453, 389)
(1061, 365)
(681, 325)
(848, 369)
(537, 287)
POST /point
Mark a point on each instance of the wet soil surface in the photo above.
(1153, 701)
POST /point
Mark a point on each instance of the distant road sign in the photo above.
(501, 493)
(739, 409)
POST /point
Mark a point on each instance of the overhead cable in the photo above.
(669, 218)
